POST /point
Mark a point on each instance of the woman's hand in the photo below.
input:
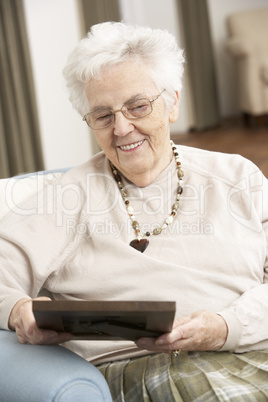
(201, 331)
(23, 322)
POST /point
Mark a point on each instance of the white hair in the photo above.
(110, 43)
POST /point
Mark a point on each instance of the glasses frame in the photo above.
(122, 111)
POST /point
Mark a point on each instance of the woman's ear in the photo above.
(174, 112)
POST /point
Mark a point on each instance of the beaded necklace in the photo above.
(140, 243)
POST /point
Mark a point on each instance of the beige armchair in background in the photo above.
(248, 44)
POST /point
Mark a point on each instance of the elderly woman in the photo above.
(147, 220)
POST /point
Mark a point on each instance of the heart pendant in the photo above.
(139, 245)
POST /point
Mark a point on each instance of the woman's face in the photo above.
(140, 149)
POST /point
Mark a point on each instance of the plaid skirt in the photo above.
(192, 376)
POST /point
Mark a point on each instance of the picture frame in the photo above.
(106, 320)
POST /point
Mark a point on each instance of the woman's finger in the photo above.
(202, 330)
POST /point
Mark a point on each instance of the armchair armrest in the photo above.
(47, 373)
(239, 47)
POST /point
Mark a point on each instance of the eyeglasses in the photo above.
(132, 109)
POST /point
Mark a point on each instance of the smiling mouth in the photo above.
(131, 146)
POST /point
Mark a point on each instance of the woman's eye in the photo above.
(104, 116)
(137, 104)
(139, 107)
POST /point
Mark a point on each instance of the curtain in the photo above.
(19, 130)
(200, 62)
(95, 11)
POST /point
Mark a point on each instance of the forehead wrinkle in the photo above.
(100, 108)
(106, 107)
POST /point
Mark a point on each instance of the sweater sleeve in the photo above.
(35, 243)
(247, 316)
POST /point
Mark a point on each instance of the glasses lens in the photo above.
(133, 109)
(100, 118)
(137, 108)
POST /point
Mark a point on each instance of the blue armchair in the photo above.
(47, 373)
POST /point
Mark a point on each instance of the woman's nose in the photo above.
(122, 125)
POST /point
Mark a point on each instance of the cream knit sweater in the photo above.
(73, 240)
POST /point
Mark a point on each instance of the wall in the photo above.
(225, 67)
(53, 30)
